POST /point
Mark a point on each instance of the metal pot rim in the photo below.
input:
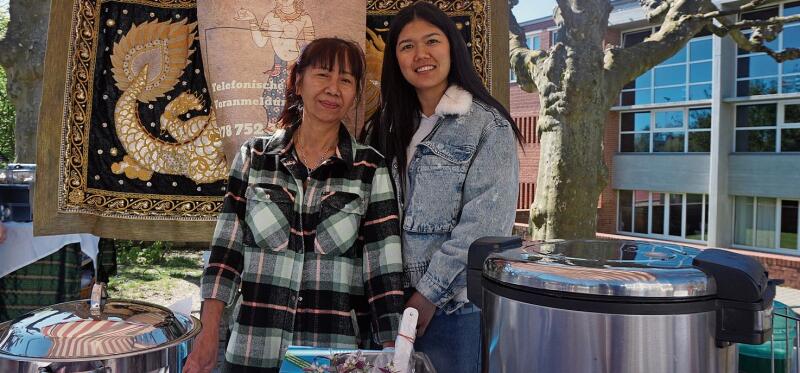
(189, 335)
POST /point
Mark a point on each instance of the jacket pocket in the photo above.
(268, 217)
(339, 222)
(438, 181)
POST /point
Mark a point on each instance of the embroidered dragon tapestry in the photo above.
(133, 137)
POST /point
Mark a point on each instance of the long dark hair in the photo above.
(391, 128)
(324, 53)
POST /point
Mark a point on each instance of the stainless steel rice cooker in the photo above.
(616, 306)
(97, 336)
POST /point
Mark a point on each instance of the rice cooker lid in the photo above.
(69, 332)
(605, 268)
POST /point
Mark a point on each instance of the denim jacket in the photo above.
(463, 185)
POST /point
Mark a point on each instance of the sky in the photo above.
(527, 10)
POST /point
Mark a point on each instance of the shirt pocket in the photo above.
(438, 183)
(268, 217)
(339, 221)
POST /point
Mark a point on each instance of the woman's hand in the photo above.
(203, 358)
(426, 310)
(2, 233)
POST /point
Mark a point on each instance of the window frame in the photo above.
(687, 84)
(780, 124)
(529, 39)
(776, 233)
(665, 228)
(553, 35)
(781, 46)
(685, 129)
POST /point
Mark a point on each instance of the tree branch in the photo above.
(679, 25)
(763, 31)
(563, 11)
(656, 9)
(682, 19)
(772, 21)
(734, 11)
(523, 60)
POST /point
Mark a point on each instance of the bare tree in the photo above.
(22, 55)
(579, 78)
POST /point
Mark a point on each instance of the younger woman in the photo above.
(454, 160)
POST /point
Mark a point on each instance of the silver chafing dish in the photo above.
(94, 336)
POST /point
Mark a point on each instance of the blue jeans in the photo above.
(453, 342)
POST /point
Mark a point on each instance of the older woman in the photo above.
(309, 231)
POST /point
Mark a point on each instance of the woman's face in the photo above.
(327, 95)
(423, 54)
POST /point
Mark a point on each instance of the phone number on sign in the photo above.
(246, 129)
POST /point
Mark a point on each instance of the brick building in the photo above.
(703, 149)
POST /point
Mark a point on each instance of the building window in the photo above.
(527, 126)
(554, 38)
(758, 73)
(666, 131)
(765, 223)
(527, 191)
(663, 215)
(534, 42)
(768, 127)
(686, 76)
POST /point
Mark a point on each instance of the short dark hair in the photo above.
(323, 53)
(391, 128)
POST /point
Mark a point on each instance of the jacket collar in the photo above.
(456, 101)
(284, 141)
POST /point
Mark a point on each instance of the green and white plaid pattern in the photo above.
(318, 265)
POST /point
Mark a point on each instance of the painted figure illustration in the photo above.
(287, 29)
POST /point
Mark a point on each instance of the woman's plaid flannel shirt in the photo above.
(316, 266)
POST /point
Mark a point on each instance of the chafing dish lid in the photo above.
(68, 331)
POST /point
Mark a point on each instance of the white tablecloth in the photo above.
(21, 248)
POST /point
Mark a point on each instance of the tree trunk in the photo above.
(22, 56)
(578, 81)
(571, 172)
(575, 104)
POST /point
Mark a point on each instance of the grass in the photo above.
(159, 280)
(787, 240)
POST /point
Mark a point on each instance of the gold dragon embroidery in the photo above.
(147, 63)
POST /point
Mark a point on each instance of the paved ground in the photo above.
(789, 297)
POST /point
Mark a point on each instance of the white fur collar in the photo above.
(455, 101)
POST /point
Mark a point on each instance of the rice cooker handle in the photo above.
(479, 250)
(98, 300)
(744, 296)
